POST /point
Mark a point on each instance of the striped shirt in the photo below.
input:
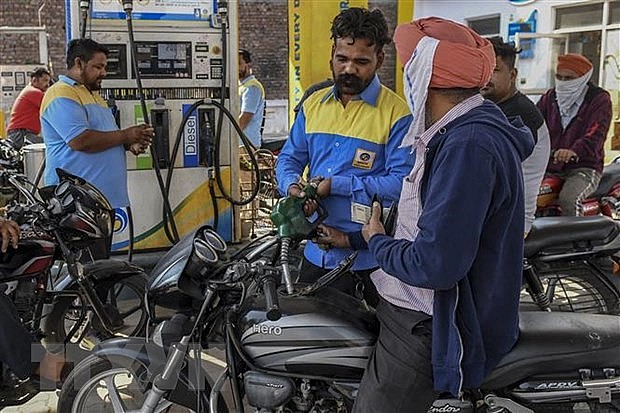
(409, 211)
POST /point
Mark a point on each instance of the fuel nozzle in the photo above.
(289, 218)
(128, 5)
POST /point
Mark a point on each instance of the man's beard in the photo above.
(92, 85)
(350, 84)
(428, 119)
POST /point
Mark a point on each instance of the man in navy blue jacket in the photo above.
(453, 267)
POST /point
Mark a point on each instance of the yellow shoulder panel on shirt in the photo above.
(79, 94)
(358, 120)
(255, 83)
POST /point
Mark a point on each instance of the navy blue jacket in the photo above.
(470, 245)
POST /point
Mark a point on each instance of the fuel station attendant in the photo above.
(79, 130)
(251, 100)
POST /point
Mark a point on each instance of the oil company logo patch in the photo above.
(364, 159)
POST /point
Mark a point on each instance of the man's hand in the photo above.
(374, 225)
(139, 134)
(329, 237)
(9, 230)
(310, 206)
(564, 155)
(324, 188)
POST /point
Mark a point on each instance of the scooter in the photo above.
(304, 348)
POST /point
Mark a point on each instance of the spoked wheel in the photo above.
(100, 385)
(576, 291)
(123, 300)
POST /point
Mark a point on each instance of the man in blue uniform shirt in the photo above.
(349, 135)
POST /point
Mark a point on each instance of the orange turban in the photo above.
(463, 59)
(575, 63)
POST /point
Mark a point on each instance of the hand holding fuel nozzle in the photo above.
(291, 214)
(138, 138)
(321, 188)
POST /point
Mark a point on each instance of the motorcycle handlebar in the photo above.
(272, 306)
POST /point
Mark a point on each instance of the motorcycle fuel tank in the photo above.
(330, 334)
(32, 256)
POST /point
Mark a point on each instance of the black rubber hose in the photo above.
(131, 234)
(84, 6)
(175, 153)
(223, 7)
(168, 216)
(216, 211)
(216, 161)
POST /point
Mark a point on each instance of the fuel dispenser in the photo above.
(181, 56)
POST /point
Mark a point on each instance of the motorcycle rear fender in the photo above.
(127, 351)
(99, 271)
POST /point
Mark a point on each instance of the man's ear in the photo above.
(513, 74)
(77, 62)
(380, 58)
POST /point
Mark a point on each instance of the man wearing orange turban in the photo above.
(578, 115)
(453, 267)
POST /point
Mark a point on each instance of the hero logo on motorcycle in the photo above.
(265, 329)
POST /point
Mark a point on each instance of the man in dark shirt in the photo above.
(578, 115)
(502, 90)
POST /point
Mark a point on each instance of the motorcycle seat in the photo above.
(559, 342)
(566, 231)
(610, 176)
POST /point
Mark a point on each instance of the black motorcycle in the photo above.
(303, 348)
(57, 298)
(571, 265)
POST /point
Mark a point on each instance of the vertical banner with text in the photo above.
(404, 14)
(309, 23)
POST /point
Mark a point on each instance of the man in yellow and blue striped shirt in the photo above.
(79, 130)
(350, 135)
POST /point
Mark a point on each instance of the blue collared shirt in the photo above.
(358, 147)
(68, 110)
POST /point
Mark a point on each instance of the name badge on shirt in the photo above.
(364, 159)
(360, 213)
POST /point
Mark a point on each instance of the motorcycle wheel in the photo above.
(123, 299)
(576, 290)
(113, 385)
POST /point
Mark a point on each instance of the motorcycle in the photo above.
(604, 201)
(61, 304)
(570, 264)
(303, 348)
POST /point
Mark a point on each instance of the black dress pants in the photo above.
(399, 376)
(16, 343)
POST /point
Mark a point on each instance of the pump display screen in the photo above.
(158, 60)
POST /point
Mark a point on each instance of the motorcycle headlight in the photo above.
(214, 240)
(202, 259)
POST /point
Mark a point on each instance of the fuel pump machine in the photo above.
(181, 58)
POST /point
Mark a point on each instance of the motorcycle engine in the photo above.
(266, 391)
(24, 299)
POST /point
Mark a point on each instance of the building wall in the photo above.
(24, 48)
(263, 29)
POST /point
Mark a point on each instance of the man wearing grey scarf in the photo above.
(578, 115)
